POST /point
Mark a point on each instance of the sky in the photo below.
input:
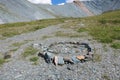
(53, 2)
(58, 1)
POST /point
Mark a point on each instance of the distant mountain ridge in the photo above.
(23, 10)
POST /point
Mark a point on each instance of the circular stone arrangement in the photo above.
(67, 52)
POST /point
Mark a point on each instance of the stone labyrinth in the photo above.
(66, 52)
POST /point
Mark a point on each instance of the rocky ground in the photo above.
(104, 66)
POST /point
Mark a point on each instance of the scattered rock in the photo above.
(48, 57)
(80, 57)
(75, 60)
(7, 55)
(56, 60)
(70, 48)
(60, 60)
(36, 45)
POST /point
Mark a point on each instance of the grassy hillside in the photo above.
(105, 28)
(12, 29)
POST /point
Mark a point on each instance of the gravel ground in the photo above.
(105, 64)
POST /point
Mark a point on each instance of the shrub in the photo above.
(82, 30)
(116, 45)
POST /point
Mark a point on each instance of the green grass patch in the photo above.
(97, 58)
(105, 47)
(2, 61)
(30, 54)
(12, 29)
(82, 29)
(102, 33)
(9, 33)
(105, 77)
(116, 45)
(46, 36)
(37, 28)
(113, 21)
(13, 50)
(105, 33)
(18, 44)
(29, 51)
(105, 28)
(64, 34)
(34, 59)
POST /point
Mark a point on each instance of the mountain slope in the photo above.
(22, 10)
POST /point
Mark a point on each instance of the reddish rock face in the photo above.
(83, 7)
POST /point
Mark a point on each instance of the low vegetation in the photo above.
(82, 30)
(105, 76)
(12, 29)
(46, 36)
(18, 44)
(34, 59)
(97, 58)
(13, 50)
(104, 28)
(2, 60)
(30, 54)
(29, 51)
(64, 34)
(116, 45)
